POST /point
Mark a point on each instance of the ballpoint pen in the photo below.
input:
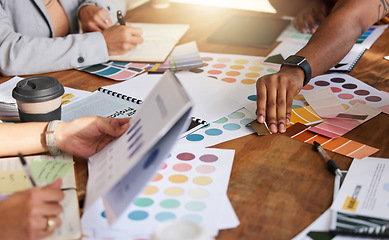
(120, 18)
(27, 170)
(330, 163)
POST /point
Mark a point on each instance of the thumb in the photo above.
(56, 184)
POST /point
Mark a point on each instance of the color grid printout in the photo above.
(191, 184)
(226, 128)
(233, 69)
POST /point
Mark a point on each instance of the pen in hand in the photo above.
(330, 163)
(27, 170)
(120, 18)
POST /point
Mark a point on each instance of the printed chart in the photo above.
(191, 184)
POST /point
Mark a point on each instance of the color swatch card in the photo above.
(184, 56)
(191, 184)
(304, 115)
(120, 170)
(116, 70)
(336, 127)
(233, 69)
(231, 126)
(362, 202)
(348, 90)
(324, 102)
(339, 145)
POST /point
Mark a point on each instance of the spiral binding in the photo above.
(198, 120)
(119, 95)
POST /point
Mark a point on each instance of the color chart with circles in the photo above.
(349, 91)
(118, 71)
(226, 128)
(191, 184)
(233, 69)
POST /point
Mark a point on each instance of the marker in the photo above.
(120, 18)
(330, 163)
(27, 170)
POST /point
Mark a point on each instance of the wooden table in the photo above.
(278, 185)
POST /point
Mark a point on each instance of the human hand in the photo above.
(86, 136)
(24, 215)
(94, 19)
(120, 39)
(275, 93)
(311, 15)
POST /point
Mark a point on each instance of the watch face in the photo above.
(295, 59)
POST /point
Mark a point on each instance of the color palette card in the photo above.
(336, 127)
(324, 102)
(233, 69)
(191, 184)
(184, 56)
(224, 129)
(118, 71)
(339, 145)
(348, 90)
(304, 115)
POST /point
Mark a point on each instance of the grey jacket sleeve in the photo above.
(25, 55)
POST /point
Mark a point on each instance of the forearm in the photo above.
(25, 138)
(338, 33)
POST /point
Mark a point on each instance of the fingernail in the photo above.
(281, 128)
(273, 128)
(287, 121)
(261, 119)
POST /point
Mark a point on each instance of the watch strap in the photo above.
(304, 65)
(50, 138)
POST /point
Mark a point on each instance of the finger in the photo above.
(46, 194)
(281, 109)
(271, 107)
(261, 100)
(49, 209)
(136, 31)
(289, 104)
(45, 229)
(56, 184)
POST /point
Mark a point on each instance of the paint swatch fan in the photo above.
(121, 170)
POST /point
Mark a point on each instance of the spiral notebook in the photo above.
(118, 100)
(347, 64)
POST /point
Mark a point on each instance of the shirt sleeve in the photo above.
(25, 55)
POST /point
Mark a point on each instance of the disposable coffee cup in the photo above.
(180, 229)
(38, 99)
(160, 3)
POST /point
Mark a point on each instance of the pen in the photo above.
(27, 170)
(330, 163)
(120, 18)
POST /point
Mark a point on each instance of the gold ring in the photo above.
(106, 20)
(50, 224)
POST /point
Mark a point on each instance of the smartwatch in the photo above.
(298, 61)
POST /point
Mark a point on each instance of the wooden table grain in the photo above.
(278, 185)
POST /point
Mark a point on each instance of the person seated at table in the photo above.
(44, 35)
(334, 38)
(33, 213)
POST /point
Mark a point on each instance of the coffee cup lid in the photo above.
(37, 89)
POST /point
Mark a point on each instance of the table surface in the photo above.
(278, 185)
